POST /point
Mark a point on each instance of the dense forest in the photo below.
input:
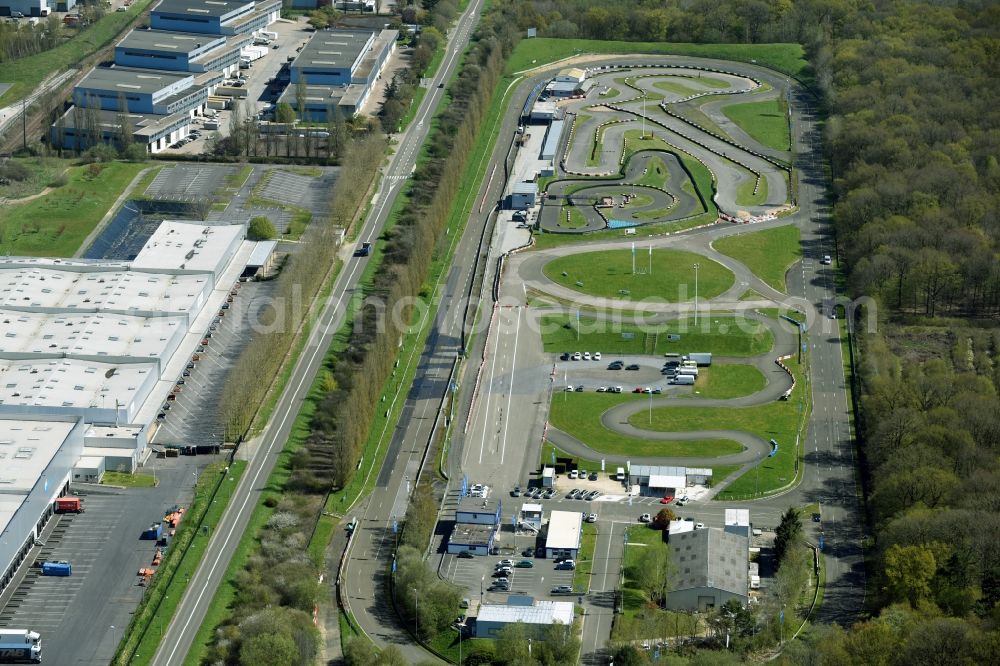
(912, 139)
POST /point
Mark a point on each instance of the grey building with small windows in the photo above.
(712, 567)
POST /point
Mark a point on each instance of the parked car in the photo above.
(633, 366)
(550, 493)
(645, 518)
(505, 563)
(602, 389)
(564, 356)
(525, 564)
(593, 476)
(591, 518)
(827, 260)
(566, 565)
(597, 356)
(516, 492)
(617, 389)
(562, 589)
(465, 555)
(579, 388)
(577, 356)
(616, 365)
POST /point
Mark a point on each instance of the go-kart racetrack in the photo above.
(673, 199)
(755, 448)
(748, 178)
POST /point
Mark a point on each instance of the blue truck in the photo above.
(20, 646)
(57, 569)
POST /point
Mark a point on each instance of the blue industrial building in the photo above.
(215, 17)
(180, 51)
(140, 91)
(339, 68)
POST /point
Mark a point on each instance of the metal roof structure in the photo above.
(334, 49)
(131, 79)
(711, 558)
(170, 41)
(177, 245)
(565, 528)
(541, 612)
(219, 8)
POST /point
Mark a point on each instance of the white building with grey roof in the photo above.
(712, 567)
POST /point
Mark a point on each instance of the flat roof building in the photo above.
(339, 68)
(180, 51)
(657, 480)
(80, 128)
(552, 137)
(737, 521)
(106, 337)
(190, 247)
(564, 533)
(140, 91)
(537, 615)
(712, 568)
(37, 455)
(215, 17)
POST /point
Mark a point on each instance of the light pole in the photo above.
(696, 267)
(416, 613)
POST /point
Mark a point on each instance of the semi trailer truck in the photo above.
(20, 646)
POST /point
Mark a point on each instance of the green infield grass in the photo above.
(745, 195)
(579, 415)
(665, 276)
(766, 122)
(768, 253)
(723, 335)
(728, 381)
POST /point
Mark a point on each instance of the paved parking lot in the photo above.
(476, 574)
(75, 615)
(298, 190)
(193, 418)
(188, 182)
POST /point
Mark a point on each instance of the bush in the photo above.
(135, 152)
(12, 170)
(261, 229)
(59, 180)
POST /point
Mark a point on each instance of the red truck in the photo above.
(69, 505)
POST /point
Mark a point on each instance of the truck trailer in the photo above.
(20, 646)
(57, 569)
(69, 505)
(701, 358)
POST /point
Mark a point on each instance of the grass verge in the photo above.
(56, 224)
(768, 253)
(585, 559)
(129, 480)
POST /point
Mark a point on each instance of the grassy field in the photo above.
(571, 217)
(656, 173)
(787, 58)
(25, 74)
(56, 224)
(721, 335)
(766, 122)
(728, 381)
(609, 274)
(677, 88)
(768, 253)
(585, 558)
(43, 172)
(703, 181)
(579, 415)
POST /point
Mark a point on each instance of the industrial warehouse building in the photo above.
(535, 615)
(565, 531)
(215, 17)
(90, 351)
(338, 68)
(180, 51)
(162, 77)
(712, 568)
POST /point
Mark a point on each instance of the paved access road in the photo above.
(190, 613)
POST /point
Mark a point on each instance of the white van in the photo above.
(684, 380)
(620, 474)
